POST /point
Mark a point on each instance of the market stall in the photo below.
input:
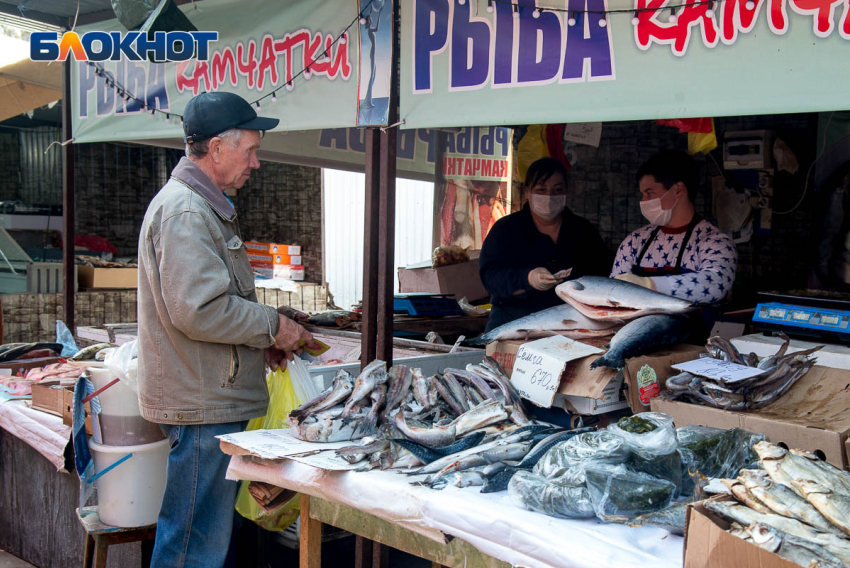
(467, 64)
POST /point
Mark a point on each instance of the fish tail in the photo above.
(605, 361)
(367, 425)
(480, 340)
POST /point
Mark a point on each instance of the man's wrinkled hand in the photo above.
(275, 359)
(291, 336)
(644, 281)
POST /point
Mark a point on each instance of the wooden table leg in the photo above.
(88, 557)
(380, 555)
(362, 552)
(100, 548)
(310, 544)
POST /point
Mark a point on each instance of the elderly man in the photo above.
(202, 334)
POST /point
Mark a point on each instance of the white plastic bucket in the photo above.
(130, 494)
(120, 421)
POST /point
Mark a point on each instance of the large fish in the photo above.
(784, 501)
(559, 320)
(833, 506)
(641, 336)
(608, 299)
(790, 547)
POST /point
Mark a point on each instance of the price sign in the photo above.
(719, 370)
(540, 364)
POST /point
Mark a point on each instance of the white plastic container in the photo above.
(120, 420)
(130, 495)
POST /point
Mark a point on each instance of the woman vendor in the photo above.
(528, 253)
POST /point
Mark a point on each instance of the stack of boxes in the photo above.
(276, 261)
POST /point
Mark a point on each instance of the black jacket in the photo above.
(514, 247)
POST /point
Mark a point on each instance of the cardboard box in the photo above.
(811, 416)
(20, 366)
(292, 250)
(285, 259)
(646, 376)
(59, 401)
(89, 277)
(262, 258)
(708, 545)
(461, 280)
(581, 389)
(288, 272)
(255, 247)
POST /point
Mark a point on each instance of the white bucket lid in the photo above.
(124, 450)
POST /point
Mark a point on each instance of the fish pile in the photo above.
(640, 471)
(432, 411)
(797, 506)
(640, 319)
(779, 373)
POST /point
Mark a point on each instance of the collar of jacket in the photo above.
(193, 176)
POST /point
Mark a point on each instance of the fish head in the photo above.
(753, 477)
(768, 451)
(765, 536)
(808, 487)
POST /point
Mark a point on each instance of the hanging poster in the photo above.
(473, 62)
(476, 170)
(376, 59)
(296, 61)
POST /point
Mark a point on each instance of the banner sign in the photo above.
(468, 62)
(298, 51)
(376, 59)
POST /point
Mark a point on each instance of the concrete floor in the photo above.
(9, 561)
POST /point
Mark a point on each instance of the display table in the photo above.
(491, 525)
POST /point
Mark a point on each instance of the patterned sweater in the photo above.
(708, 265)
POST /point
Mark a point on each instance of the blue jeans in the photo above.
(196, 518)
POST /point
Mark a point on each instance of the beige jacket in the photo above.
(201, 331)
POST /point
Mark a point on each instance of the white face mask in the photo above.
(548, 206)
(654, 213)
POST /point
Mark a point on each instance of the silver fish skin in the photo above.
(374, 374)
(475, 381)
(446, 394)
(457, 390)
(341, 388)
(89, 352)
(793, 467)
(400, 379)
(432, 437)
(744, 515)
(483, 415)
(558, 320)
(609, 299)
(441, 463)
(378, 396)
(420, 389)
(838, 476)
(512, 398)
(640, 336)
(742, 494)
(834, 506)
(786, 502)
(790, 547)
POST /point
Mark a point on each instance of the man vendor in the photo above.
(679, 253)
(528, 253)
(202, 334)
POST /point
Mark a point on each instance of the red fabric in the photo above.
(700, 125)
(554, 134)
(94, 243)
(484, 217)
(448, 213)
(675, 231)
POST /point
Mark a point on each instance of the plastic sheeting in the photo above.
(44, 432)
(492, 523)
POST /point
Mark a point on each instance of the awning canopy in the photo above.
(25, 84)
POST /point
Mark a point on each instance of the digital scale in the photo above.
(809, 313)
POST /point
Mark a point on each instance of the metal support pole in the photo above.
(369, 334)
(68, 200)
(439, 189)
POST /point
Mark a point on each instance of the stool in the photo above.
(99, 537)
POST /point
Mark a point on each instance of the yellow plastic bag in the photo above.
(702, 142)
(531, 148)
(282, 401)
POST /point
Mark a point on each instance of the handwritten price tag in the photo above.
(540, 364)
(725, 371)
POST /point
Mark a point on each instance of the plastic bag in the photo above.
(565, 463)
(719, 453)
(123, 361)
(531, 148)
(64, 337)
(649, 434)
(541, 495)
(617, 491)
(283, 399)
(304, 385)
